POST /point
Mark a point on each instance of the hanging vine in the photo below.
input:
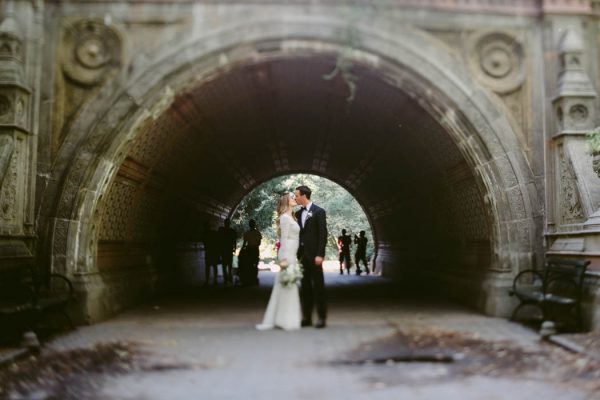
(351, 38)
(343, 68)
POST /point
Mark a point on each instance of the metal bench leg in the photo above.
(513, 317)
(71, 324)
(579, 318)
(48, 312)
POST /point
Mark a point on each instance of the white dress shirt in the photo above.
(305, 213)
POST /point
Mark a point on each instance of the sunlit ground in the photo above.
(328, 266)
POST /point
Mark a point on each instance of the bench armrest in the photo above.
(535, 274)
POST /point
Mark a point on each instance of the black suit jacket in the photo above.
(313, 235)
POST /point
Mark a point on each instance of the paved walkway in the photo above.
(203, 345)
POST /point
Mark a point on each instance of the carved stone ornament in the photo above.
(8, 190)
(7, 147)
(574, 101)
(5, 105)
(596, 164)
(13, 106)
(578, 112)
(10, 46)
(89, 51)
(496, 58)
(570, 205)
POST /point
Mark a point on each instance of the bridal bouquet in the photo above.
(289, 277)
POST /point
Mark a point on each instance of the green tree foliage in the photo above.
(593, 142)
(343, 211)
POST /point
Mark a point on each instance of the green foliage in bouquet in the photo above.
(289, 277)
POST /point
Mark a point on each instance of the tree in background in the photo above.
(343, 211)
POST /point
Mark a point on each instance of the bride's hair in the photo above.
(283, 205)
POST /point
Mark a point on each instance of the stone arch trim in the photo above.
(97, 141)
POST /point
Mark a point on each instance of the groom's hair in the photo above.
(305, 191)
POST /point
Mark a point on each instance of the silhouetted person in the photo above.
(211, 253)
(361, 252)
(228, 243)
(252, 239)
(344, 244)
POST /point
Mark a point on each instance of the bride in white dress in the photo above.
(283, 310)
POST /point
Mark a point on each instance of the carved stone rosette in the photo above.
(496, 59)
(89, 50)
(89, 53)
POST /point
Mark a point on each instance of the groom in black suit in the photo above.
(313, 240)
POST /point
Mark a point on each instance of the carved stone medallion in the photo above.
(578, 112)
(10, 46)
(89, 50)
(496, 59)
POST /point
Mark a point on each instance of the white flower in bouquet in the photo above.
(289, 277)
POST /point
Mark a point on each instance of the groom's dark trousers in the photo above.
(313, 290)
(313, 240)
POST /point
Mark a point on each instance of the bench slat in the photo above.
(528, 294)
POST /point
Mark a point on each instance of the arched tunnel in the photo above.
(217, 141)
(429, 154)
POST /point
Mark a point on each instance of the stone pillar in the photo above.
(572, 229)
(19, 72)
(577, 193)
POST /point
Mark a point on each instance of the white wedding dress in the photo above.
(283, 310)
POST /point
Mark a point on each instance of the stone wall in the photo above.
(133, 92)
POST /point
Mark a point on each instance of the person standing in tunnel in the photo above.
(228, 241)
(361, 252)
(252, 239)
(210, 241)
(311, 252)
(344, 244)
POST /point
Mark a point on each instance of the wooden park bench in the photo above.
(556, 290)
(28, 303)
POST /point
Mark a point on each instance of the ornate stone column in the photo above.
(577, 192)
(19, 72)
(572, 229)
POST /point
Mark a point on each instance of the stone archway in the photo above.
(100, 139)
